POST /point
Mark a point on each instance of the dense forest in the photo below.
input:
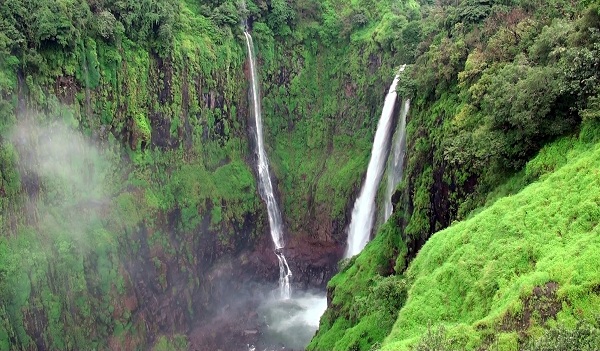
(130, 217)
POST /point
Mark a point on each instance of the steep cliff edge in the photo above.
(130, 215)
(491, 84)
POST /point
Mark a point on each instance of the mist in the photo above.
(90, 245)
(291, 323)
(64, 175)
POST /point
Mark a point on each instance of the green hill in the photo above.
(504, 104)
(129, 210)
(500, 275)
(498, 280)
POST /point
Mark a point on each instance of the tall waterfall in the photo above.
(264, 177)
(396, 158)
(363, 212)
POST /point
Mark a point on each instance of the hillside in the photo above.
(496, 279)
(491, 86)
(524, 263)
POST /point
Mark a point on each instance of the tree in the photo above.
(523, 107)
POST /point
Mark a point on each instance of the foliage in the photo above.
(159, 174)
(366, 298)
(177, 343)
(158, 86)
(74, 218)
(585, 336)
(487, 94)
(482, 271)
(434, 340)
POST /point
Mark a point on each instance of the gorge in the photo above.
(139, 210)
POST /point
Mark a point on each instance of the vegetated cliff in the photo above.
(491, 84)
(130, 217)
(496, 279)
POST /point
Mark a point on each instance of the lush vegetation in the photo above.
(491, 84)
(499, 276)
(325, 95)
(126, 170)
(494, 281)
(366, 297)
(487, 97)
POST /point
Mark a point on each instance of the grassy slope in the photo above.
(448, 163)
(365, 298)
(476, 278)
(476, 274)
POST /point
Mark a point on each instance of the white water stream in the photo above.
(264, 177)
(363, 213)
(396, 159)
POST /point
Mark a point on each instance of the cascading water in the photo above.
(361, 223)
(396, 158)
(264, 177)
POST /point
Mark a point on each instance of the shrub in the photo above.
(585, 337)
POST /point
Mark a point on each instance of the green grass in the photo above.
(471, 276)
(365, 298)
(471, 283)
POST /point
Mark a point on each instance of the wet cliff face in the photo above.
(239, 285)
(128, 185)
(135, 202)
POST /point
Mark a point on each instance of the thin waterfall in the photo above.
(363, 212)
(264, 176)
(396, 158)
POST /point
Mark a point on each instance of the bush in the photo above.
(434, 340)
(585, 337)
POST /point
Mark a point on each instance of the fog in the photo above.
(291, 323)
(65, 176)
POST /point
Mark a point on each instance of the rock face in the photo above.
(172, 278)
(312, 263)
(217, 311)
(238, 285)
(173, 240)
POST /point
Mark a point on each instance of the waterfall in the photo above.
(363, 212)
(264, 177)
(396, 158)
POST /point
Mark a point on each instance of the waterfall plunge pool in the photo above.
(290, 324)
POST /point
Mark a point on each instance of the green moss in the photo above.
(142, 125)
(365, 300)
(176, 343)
(508, 342)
